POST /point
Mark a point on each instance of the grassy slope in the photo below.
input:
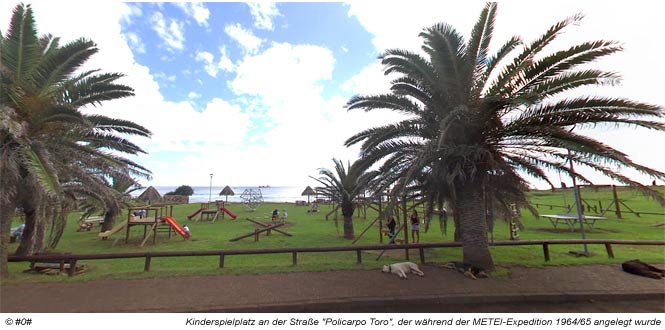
(314, 230)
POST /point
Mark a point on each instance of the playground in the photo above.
(318, 229)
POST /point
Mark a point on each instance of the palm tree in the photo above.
(475, 117)
(110, 202)
(344, 185)
(50, 149)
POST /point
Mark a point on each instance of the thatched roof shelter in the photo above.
(151, 195)
(227, 191)
(308, 192)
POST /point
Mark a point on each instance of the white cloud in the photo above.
(207, 58)
(213, 68)
(263, 12)
(172, 33)
(130, 12)
(135, 42)
(302, 124)
(196, 10)
(193, 95)
(369, 80)
(284, 71)
(163, 76)
(249, 42)
(224, 62)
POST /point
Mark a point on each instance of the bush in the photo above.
(183, 190)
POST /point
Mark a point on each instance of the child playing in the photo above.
(284, 215)
(415, 227)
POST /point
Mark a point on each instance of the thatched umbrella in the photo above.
(150, 195)
(308, 192)
(227, 191)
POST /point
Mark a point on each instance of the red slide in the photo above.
(176, 226)
(228, 212)
(195, 213)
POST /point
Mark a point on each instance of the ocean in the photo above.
(282, 194)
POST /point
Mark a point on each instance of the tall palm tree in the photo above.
(344, 185)
(475, 116)
(50, 149)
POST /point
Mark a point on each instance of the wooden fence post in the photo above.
(146, 267)
(72, 267)
(610, 253)
(295, 257)
(546, 251)
(359, 256)
(221, 260)
(616, 201)
(422, 255)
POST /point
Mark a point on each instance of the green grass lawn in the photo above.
(311, 229)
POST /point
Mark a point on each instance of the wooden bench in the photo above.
(571, 220)
(57, 264)
(54, 268)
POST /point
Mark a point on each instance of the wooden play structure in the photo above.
(154, 219)
(211, 212)
(263, 227)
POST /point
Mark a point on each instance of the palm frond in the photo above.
(386, 101)
(105, 123)
(506, 79)
(58, 64)
(94, 89)
(41, 169)
(21, 49)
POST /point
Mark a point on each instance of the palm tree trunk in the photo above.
(347, 211)
(32, 240)
(456, 221)
(29, 238)
(348, 227)
(109, 219)
(6, 214)
(471, 214)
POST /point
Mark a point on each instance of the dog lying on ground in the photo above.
(638, 267)
(469, 270)
(400, 269)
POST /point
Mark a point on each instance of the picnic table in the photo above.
(571, 219)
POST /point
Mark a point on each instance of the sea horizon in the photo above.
(274, 194)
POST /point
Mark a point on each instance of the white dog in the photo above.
(400, 269)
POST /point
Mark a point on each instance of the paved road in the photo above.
(589, 306)
(547, 289)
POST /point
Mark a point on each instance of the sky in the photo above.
(254, 93)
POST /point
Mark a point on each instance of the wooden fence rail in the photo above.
(72, 259)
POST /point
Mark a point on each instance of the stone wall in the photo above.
(176, 199)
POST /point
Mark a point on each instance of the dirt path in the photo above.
(441, 289)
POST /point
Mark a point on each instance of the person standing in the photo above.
(415, 227)
(391, 229)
